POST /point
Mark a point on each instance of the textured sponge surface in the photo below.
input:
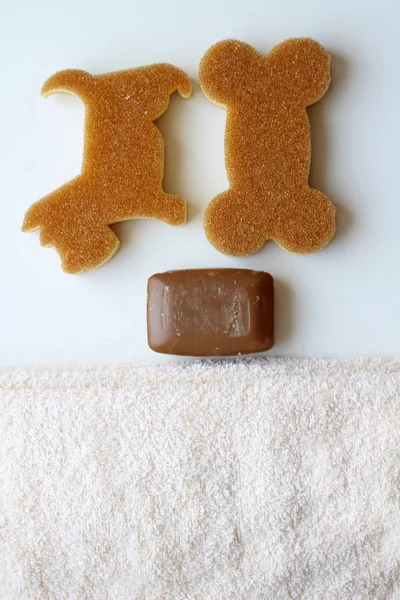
(123, 163)
(267, 146)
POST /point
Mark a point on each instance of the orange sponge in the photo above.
(267, 146)
(123, 163)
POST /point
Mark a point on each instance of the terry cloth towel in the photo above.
(257, 479)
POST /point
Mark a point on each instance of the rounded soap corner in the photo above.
(154, 347)
(268, 344)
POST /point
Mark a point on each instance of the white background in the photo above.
(342, 301)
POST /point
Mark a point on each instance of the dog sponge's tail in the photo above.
(73, 81)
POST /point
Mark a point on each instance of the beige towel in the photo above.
(260, 479)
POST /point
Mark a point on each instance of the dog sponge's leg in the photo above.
(94, 247)
(168, 208)
(233, 225)
(69, 223)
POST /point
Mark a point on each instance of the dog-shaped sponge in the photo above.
(267, 146)
(122, 168)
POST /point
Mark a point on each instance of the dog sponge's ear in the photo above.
(226, 69)
(302, 69)
(150, 87)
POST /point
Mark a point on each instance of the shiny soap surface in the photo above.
(210, 312)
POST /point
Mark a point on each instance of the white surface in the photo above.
(269, 480)
(342, 301)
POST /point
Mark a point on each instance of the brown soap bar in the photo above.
(210, 312)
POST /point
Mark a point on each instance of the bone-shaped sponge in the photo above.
(267, 146)
(122, 168)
